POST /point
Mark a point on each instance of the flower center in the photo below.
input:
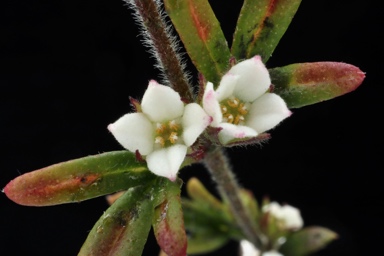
(167, 133)
(234, 110)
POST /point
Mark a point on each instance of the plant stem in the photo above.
(157, 36)
(217, 164)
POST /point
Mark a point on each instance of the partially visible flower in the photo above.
(248, 249)
(241, 105)
(288, 217)
(271, 253)
(163, 131)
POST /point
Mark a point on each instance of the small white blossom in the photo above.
(248, 249)
(163, 131)
(271, 253)
(288, 215)
(241, 105)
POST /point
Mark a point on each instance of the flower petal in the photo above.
(267, 112)
(166, 162)
(253, 79)
(272, 253)
(161, 103)
(248, 249)
(194, 122)
(226, 86)
(231, 131)
(134, 132)
(211, 105)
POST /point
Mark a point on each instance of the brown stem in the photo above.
(217, 164)
(162, 45)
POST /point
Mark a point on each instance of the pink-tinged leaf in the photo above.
(307, 241)
(303, 84)
(79, 179)
(261, 25)
(201, 35)
(168, 222)
(123, 229)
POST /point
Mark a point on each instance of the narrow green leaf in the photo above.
(168, 222)
(202, 36)
(307, 241)
(261, 25)
(208, 228)
(209, 222)
(250, 203)
(303, 84)
(79, 179)
(123, 229)
(205, 242)
(199, 193)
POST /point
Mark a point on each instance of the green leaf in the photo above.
(79, 179)
(200, 194)
(260, 26)
(168, 221)
(250, 203)
(209, 222)
(208, 228)
(202, 36)
(205, 242)
(303, 84)
(307, 240)
(123, 229)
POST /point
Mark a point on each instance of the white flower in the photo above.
(288, 215)
(241, 105)
(271, 253)
(248, 249)
(163, 131)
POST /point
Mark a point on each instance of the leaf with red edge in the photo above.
(307, 241)
(123, 229)
(79, 179)
(201, 35)
(303, 84)
(261, 25)
(168, 222)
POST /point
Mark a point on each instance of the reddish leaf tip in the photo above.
(346, 76)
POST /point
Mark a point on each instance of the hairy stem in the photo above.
(157, 36)
(217, 164)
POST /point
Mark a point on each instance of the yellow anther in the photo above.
(228, 118)
(173, 125)
(173, 137)
(239, 119)
(242, 109)
(160, 140)
(223, 109)
(160, 128)
(233, 102)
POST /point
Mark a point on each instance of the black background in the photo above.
(69, 66)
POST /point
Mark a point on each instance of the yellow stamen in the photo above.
(173, 137)
(173, 125)
(234, 111)
(242, 109)
(160, 128)
(160, 140)
(233, 102)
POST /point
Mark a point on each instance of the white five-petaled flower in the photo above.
(289, 216)
(163, 131)
(241, 105)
